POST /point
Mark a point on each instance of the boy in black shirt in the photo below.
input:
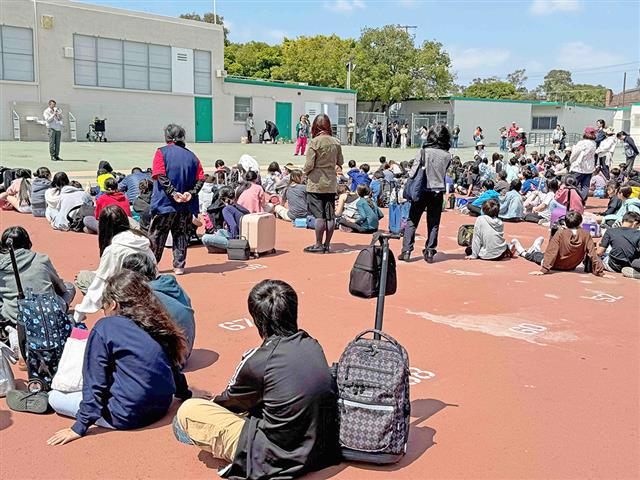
(624, 243)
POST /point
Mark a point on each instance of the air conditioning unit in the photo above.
(68, 52)
(221, 73)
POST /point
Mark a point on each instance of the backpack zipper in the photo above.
(367, 406)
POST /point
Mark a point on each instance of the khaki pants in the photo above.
(211, 427)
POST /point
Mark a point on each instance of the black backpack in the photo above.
(373, 399)
(365, 275)
(76, 216)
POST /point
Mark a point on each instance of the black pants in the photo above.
(630, 161)
(535, 257)
(532, 217)
(432, 202)
(354, 226)
(249, 136)
(473, 210)
(178, 224)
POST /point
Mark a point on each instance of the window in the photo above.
(105, 62)
(544, 123)
(16, 52)
(342, 113)
(241, 108)
(202, 72)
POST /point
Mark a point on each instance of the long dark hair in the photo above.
(136, 301)
(249, 178)
(18, 235)
(113, 220)
(60, 180)
(24, 193)
(321, 126)
(439, 137)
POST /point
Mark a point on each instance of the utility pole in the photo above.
(624, 87)
(406, 28)
(215, 15)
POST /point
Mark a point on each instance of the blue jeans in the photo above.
(503, 144)
(68, 404)
(583, 180)
(220, 239)
(454, 142)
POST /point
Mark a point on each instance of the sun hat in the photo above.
(479, 144)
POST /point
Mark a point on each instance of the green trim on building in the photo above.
(272, 83)
(532, 102)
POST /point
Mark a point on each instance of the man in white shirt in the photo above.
(53, 118)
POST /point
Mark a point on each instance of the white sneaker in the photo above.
(515, 243)
(537, 244)
(630, 272)
(178, 271)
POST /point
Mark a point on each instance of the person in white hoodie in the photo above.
(605, 151)
(117, 241)
(71, 196)
(488, 235)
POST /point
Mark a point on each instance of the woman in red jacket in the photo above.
(111, 196)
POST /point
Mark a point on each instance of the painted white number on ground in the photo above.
(604, 297)
(251, 266)
(528, 329)
(239, 324)
(417, 375)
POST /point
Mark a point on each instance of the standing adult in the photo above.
(583, 161)
(351, 129)
(371, 130)
(513, 134)
(250, 127)
(455, 135)
(379, 134)
(605, 150)
(272, 130)
(323, 155)
(404, 131)
(477, 135)
(556, 137)
(504, 133)
(600, 131)
(178, 177)
(302, 134)
(53, 119)
(432, 160)
(630, 150)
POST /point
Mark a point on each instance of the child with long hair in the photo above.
(18, 196)
(132, 364)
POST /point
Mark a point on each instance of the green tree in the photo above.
(318, 60)
(588, 94)
(253, 59)
(389, 68)
(491, 89)
(209, 17)
(557, 85)
(518, 79)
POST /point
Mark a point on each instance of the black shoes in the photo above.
(58, 159)
(429, 256)
(315, 249)
(405, 257)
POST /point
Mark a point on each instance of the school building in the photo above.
(138, 71)
(537, 118)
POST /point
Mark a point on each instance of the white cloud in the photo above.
(469, 59)
(344, 6)
(277, 35)
(579, 55)
(547, 7)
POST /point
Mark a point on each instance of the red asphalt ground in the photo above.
(557, 397)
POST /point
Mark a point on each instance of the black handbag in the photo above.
(416, 186)
(238, 249)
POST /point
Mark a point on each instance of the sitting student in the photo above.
(170, 294)
(277, 418)
(569, 190)
(132, 364)
(511, 207)
(353, 171)
(232, 214)
(502, 186)
(368, 214)
(597, 184)
(295, 198)
(614, 200)
(342, 179)
(142, 204)
(621, 246)
(543, 210)
(250, 195)
(116, 241)
(110, 196)
(513, 170)
(359, 177)
(36, 272)
(567, 249)
(207, 194)
(475, 207)
(531, 181)
(104, 171)
(131, 183)
(474, 182)
(346, 206)
(488, 235)
(274, 174)
(629, 204)
(71, 196)
(52, 195)
(39, 186)
(496, 163)
(376, 185)
(485, 172)
(18, 196)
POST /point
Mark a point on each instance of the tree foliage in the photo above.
(209, 17)
(252, 59)
(518, 79)
(490, 88)
(559, 87)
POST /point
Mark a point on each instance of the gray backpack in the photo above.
(373, 399)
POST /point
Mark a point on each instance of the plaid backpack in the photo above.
(373, 399)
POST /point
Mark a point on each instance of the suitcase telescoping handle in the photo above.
(14, 264)
(384, 239)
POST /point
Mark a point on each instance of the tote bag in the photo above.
(68, 378)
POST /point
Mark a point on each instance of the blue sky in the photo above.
(596, 39)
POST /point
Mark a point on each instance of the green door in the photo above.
(204, 119)
(283, 119)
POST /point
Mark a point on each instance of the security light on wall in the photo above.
(46, 21)
(68, 52)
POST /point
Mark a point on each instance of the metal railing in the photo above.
(16, 125)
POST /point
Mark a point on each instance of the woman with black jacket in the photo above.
(436, 157)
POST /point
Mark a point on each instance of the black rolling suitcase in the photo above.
(44, 325)
(372, 376)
